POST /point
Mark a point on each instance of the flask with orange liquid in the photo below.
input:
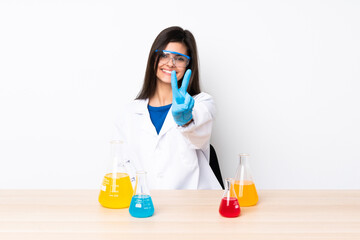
(116, 189)
(244, 185)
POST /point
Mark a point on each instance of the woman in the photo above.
(167, 128)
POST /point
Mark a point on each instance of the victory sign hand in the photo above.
(183, 103)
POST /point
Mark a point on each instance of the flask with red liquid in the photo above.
(229, 206)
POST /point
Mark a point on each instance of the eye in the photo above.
(180, 59)
(164, 55)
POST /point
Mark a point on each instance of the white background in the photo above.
(285, 76)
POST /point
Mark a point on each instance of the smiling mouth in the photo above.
(166, 71)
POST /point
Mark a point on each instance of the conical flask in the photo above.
(244, 185)
(141, 203)
(229, 206)
(116, 189)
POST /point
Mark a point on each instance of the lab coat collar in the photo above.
(142, 109)
(140, 106)
(168, 123)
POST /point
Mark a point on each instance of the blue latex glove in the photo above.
(183, 103)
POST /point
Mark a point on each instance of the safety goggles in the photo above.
(178, 59)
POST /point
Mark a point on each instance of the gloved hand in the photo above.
(183, 103)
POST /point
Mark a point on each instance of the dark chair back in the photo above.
(214, 164)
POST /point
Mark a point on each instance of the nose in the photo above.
(171, 62)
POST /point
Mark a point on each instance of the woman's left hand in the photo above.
(183, 103)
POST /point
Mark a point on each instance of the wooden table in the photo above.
(180, 214)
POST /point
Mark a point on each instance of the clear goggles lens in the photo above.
(178, 59)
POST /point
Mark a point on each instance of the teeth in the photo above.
(166, 71)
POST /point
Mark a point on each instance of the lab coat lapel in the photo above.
(145, 121)
(168, 123)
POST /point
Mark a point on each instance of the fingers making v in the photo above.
(179, 94)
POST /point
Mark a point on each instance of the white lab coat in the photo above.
(177, 157)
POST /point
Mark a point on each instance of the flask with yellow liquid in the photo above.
(244, 184)
(116, 189)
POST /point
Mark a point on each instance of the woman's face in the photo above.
(163, 72)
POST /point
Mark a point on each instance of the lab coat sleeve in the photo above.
(198, 132)
(121, 132)
(118, 128)
(121, 122)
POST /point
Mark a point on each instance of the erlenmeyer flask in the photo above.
(116, 190)
(244, 185)
(141, 203)
(229, 206)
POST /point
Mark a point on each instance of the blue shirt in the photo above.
(158, 115)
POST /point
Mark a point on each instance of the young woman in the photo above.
(167, 128)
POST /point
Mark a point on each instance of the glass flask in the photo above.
(229, 206)
(116, 189)
(244, 185)
(141, 203)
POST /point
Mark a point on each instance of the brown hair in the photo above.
(171, 34)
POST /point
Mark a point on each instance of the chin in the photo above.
(165, 80)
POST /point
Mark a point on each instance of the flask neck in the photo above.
(229, 188)
(243, 172)
(116, 149)
(243, 159)
(141, 187)
(227, 184)
(116, 163)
